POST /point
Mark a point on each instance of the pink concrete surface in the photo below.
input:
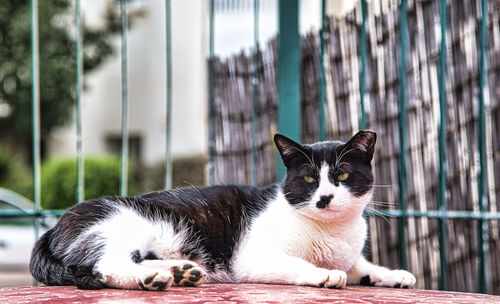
(239, 293)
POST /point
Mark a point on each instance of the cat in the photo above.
(307, 230)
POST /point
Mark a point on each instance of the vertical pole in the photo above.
(483, 224)
(289, 114)
(80, 188)
(168, 131)
(443, 231)
(255, 91)
(362, 73)
(402, 134)
(35, 101)
(211, 99)
(323, 33)
(124, 129)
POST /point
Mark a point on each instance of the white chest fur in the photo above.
(281, 229)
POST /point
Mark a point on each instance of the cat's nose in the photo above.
(324, 200)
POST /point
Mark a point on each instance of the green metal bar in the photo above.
(124, 129)
(443, 231)
(432, 214)
(403, 223)
(255, 89)
(80, 187)
(211, 99)
(448, 214)
(289, 114)
(30, 213)
(323, 33)
(168, 131)
(362, 72)
(35, 101)
(483, 201)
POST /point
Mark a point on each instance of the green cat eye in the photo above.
(342, 177)
(309, 179)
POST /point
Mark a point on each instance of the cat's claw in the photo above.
(391, 278)
(188, 274)
(157, 281)
(336, 279)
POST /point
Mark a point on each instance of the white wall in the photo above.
(146, 72)
(147, 85)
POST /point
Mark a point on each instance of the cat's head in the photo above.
(328, 180)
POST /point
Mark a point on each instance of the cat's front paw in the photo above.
(390, 278)
(158, 281)
(335, 279)
(188, 274)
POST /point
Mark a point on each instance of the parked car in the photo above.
(17, 234)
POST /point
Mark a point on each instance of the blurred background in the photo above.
(143, 95)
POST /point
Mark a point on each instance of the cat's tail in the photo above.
(45, 267)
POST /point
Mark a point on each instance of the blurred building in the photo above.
(147, 74)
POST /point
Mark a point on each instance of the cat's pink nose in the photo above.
(324, 200)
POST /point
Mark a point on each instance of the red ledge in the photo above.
(239, 293)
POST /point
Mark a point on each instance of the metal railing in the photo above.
(292, 83)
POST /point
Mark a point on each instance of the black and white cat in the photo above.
(308, 230)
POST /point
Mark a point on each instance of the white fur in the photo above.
(304, 245)
(284, 245)
(126, 232)
(380, 276)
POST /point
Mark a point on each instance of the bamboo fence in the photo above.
(233, 119)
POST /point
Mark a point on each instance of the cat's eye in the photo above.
(309, 179)
(342, 177)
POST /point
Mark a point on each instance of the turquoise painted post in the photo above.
(124, 129)
(168, 131)
(255, 90)
(211, 98)
(443, 231)
(323, 33)
(403, 226)
(362, 72)
(80, 187)
(35, 102)
(289, 114)
(483, 201)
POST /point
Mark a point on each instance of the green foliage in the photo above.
(59, 180)
(15, 175)
(186, 172)
(57, 63)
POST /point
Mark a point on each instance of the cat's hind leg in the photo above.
(185, 273)
(125, 274)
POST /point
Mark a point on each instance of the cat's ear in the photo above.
(290, 150)
(364, 141)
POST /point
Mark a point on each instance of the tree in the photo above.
(57, 64)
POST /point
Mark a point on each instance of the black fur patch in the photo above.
(86, 279)
(366, 281)
(149, 279)
(137, 257)
(159, 285)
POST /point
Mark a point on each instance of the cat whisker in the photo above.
(308, 158)
(379, 214)
(383, 204)
(342, 154)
